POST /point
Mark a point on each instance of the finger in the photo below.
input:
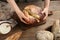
(23, 20)
(43, 11)
(45, 16)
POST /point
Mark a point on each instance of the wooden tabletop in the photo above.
(29, 34)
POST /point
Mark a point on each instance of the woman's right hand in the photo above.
(26, 19)
(20, 14)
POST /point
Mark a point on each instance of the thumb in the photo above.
(43, 11)
(45, 16)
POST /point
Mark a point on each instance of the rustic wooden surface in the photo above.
(29, 34)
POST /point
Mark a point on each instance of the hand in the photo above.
(27, 19)
(45, 11)
(24, 19)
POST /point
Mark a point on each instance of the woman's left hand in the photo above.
(45, 11)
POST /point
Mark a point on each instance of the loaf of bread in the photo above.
(33, 13)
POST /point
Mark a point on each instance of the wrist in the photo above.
(46, 8)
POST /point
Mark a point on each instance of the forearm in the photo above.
(15, 7)
(46, 3)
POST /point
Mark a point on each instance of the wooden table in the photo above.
(29, 34)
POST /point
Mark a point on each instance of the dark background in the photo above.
(55, 0)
